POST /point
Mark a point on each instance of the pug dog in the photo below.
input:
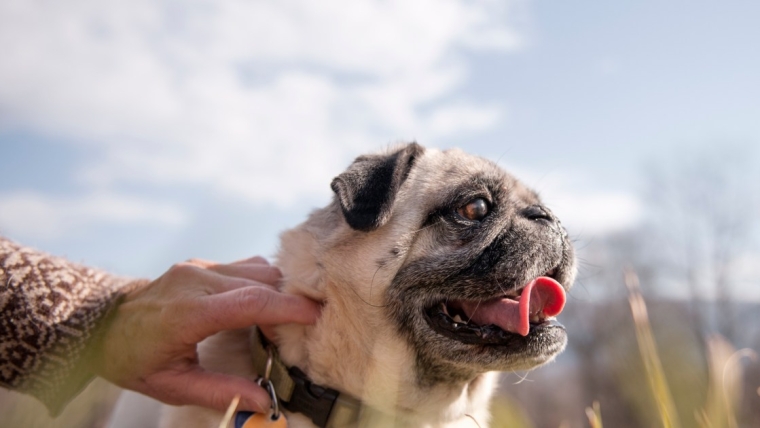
(436, 270)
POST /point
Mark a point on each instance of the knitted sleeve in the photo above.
(50, 310)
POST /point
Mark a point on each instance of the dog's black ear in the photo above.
(366, 190)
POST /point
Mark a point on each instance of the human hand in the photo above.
(150, 346)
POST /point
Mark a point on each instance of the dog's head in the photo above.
(436, 248)
(459, 243)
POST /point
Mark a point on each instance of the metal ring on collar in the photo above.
(269, 387)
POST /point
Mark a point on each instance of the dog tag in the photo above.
(259, 420)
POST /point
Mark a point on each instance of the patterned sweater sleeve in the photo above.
(50, 311)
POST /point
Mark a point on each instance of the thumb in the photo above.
(208, 389)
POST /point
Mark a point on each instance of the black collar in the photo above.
(326, 407)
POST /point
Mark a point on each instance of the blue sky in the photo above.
(137, 135)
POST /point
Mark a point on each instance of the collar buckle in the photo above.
(310, 399)
(290, 388)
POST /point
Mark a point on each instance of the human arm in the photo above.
(50, 310)
(62, 323)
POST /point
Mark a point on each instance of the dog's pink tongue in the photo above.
(543, 296)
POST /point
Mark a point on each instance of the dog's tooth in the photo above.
(457, 318)
(444, 308)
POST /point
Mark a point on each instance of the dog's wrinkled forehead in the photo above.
(447, 176)
(368, 191)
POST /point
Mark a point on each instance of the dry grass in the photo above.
(649, 356)
(725, 373)
(230, 412)
(594, 414)
(725, 386)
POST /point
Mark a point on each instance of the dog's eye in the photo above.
(476, 209)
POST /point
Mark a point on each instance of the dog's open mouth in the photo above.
(499, 320)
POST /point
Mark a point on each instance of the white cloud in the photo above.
(261, 100)
(35, 215)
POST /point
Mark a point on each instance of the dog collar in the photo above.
(326, 407)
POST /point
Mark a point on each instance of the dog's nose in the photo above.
(540, 214)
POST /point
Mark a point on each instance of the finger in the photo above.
(258, 260)
(264, 274)
(247, 306)
(208, 389)
(202, 263)
(211, 281)
(268, 331)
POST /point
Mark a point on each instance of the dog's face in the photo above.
(466, 240)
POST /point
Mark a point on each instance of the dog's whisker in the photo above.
(366, 302)
(370, 293)
(414, 232)
(503, 291)
(372, 283)
(475, 311)
(473, 419)
(523, 378)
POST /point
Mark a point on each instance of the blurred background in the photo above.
(137, 134)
